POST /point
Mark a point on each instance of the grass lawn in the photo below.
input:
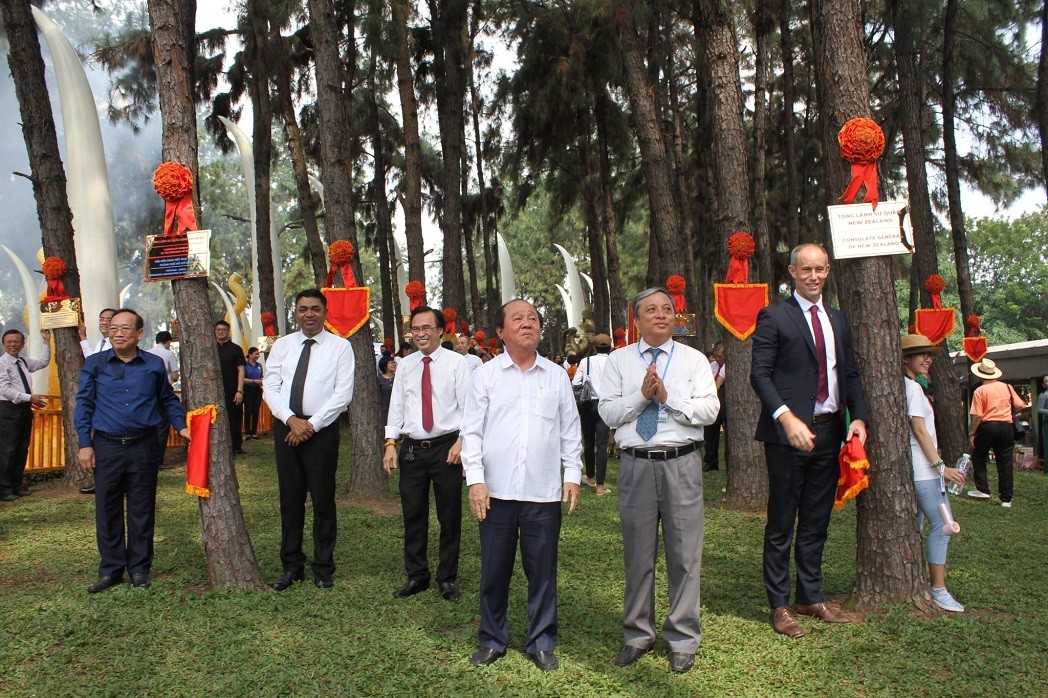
(355, 639)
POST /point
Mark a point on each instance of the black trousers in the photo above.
(712, 434)
(999, 437)
(252, 404)
(16, 426)
(595, 435)
(125, 473)
(801, 489)
(309, 467)
(429, 467)
(236, 422)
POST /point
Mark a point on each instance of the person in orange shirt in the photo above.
(993, 404)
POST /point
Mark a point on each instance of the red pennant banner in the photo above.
(853, 479)
(736, 307)
(347, 309)
(197, 463)
(935, 323)
(975, 348)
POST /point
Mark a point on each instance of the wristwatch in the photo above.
(390, 442)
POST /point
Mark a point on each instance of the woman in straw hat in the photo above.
(993, 404)
(929, 472)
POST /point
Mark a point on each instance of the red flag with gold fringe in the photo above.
(935, 323)
(737, 302)
(853, 479)
(348, 309)
(975, 345)
(199, 422)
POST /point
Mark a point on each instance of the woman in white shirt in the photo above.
(930, 474)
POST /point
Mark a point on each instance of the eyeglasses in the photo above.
(121, 329)
(424, 328)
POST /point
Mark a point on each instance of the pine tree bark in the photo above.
(793, 187)
(227, 546)
(747, 487)
(257, 48)
(366, 477)
(762, 25)
(52, 206)
(383, 224)
(889, 558)
(491, 300)
(412, 144)
(609, 218)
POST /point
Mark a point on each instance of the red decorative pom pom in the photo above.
(741, 245)
(172, 181)
(861, 141)
(341, 252)
(450, 316)
(480, 336)
(973, 322)
(54, 268)
(619, 333)
(493, 344)
(267, 318)
(935, 284)
(415, 290)
(676, 284)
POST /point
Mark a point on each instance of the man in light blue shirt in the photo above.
(520, 424)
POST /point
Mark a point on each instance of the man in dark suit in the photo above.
(805, 374)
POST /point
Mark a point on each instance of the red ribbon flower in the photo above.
(174, 183)
(341, 254)
(676, 285)
(973, 326)
(862, 142)
(620, 337)
(450, 316)
(480, 337)
(740, 247)
(975, 345)
(415, 292)
(268, 327)
(935, 285)
(54, 269)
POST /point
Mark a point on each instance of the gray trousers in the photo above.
(671, 492)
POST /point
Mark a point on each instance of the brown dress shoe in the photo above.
(823, 613)
(785, 624)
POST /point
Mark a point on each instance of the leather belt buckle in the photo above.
(425, 444)
(658, 454)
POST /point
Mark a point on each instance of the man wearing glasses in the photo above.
(425, 410)
(124, 396)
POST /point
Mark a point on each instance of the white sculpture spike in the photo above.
(566, 297)
(125, 293)
(87, 179)
(577, 300)
(34, 342)
(509, 283)
(235, 334)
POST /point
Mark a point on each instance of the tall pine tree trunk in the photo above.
(889, 558)
(383, 224)
(793, 187)
(747, 474)
(762, 25)
(227, 545)
(52, 206)
(257, 47)
(609, 218)
(412, 144)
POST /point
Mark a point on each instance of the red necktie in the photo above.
(823, 391)
(427, 395)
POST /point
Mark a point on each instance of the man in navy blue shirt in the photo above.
(124, 396)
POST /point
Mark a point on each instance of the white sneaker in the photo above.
(942, 599)
(1006, 505)
(976, 494)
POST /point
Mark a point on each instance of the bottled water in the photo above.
(964, 465)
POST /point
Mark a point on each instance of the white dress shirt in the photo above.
(11, 388)
(473, 361)
(592, 367)
(170, 360)
(329, 380)
(519, 427)
(832, 403)
(449, 378)
(102, 345)
(691, 396)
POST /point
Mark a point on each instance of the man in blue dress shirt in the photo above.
(124, 396)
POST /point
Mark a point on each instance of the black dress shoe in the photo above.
(486, 655)
(23, 492)
(104, 582)
(9, 498)
(629, 655)
(681, 662)
(547, 661)
(87, 490)
(323, 582)
(140, 580)
(450, 591)
(286, 581)
(412, 587)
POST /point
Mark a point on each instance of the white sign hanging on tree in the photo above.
(858, 230)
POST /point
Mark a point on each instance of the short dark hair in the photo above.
(139, 322)
(223, 323)
(107, 310)
(437, 315)
(251, 350)
(500, 314)
(163, 337)
(311, 293)
(18, 332)
(384, 362)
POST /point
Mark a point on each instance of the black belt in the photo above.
(826, 418)
(667, 453)
(128, 439)
(431, 443)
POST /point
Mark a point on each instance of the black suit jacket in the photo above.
(785, 371)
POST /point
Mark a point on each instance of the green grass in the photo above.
(356, 639)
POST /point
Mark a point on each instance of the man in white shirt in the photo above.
(520, 426)
(462, 347)
(308, 384)
(711, 449)
(103, 326)
(595, 432)
(425, 409)
(163, 350)
(16, 410)
(658, 395)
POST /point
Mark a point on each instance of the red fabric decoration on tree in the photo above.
(975, 345)
(341, 254)
(450, 316)
(740, 247)
(54, 269)
(388, 343)
(935, 323)
(174, 183)
(620, 337)
(862, 142)
(199, 422)
(853, 479)
(415, 292)
(736, 302)
(676, 285)
(268, 327)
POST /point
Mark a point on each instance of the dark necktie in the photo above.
(102, 345)
(648, 421)
(298, 383)
(20, 362)
(427, 395)
(823, 390)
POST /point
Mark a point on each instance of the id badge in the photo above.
(664, 414)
